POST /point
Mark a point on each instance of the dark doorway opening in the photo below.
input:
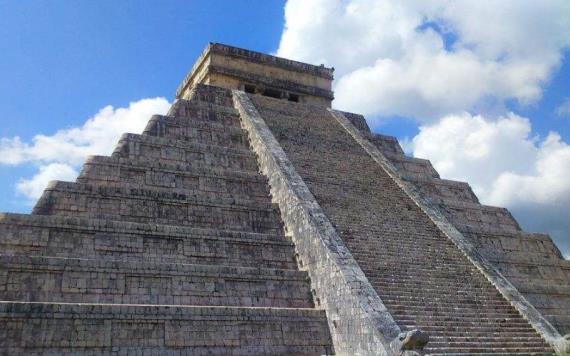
(272, 93)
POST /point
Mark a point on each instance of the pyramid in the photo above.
(253, 219)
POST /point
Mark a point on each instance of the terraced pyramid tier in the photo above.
(421, 276)
(169, 246)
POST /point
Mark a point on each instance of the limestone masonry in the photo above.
(254, 219)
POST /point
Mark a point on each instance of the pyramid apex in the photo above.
(260, 73)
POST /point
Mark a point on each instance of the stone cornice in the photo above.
(272, 82)
(260, 58)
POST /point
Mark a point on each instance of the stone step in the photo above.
(449, 323)
(459, 309)
(430, 297)
(52, 279)
(177, 151)
(413, 165)
(556, 286)
(466, 345)
(448, 320)
(452, 331)
(136, 170)
(444, 253)
(427, 264)
(394, 269)
(427, 241)
(515, 234)
(210, 94)
(429, 286)
(205, 112)
(157, 205)
(401, 277)
(161, 329)
(467, 213)
(56, 236)
(463, 312)
(419, 300)
(386, 144)
(473, 350)
(549, 353)
(438, 339)
(519, 247)
(436, 188)
(391, 263)
(453, 259)
(99, 169)
(208, 192)
(196, 130)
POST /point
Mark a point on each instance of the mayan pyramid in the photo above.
(253, 219)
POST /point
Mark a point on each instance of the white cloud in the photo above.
(97, 136)
(506, 166)
(33, 188)
(439, 61)
(59, 155)
(393, 57)
(564, 109)
(476, 148)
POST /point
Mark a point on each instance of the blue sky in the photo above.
(486, 104)
(64, 60)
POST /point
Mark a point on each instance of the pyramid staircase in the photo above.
(169, 246)
(530, 261)
(420, 275)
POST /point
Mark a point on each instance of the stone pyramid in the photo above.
(254, 219)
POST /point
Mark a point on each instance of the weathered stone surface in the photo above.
(358, 320)
(530, 261)
(416, 270)
(170, 246)
(411, 340)
(235, 68)
(35, 235)
(55, 328)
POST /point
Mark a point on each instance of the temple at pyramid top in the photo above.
(259, 73)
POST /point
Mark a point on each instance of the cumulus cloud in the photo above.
(476, 148)
(59, 155)
(32, 188)
(506, 166)
(564, 109)
(97, 135)
(452, 66)
(424, 59)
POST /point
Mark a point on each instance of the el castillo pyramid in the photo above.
(253, 219)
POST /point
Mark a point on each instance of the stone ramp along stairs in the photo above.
(169, 246)
(420, 275)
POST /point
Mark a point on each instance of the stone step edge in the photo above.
(202, 105)
(9, 262)
(127, 138)
(231, 203)
(127, 227)
(461, 204)
(151, 311)
(486, 230)
(103, 187)
(174, 168)
(180, 121)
